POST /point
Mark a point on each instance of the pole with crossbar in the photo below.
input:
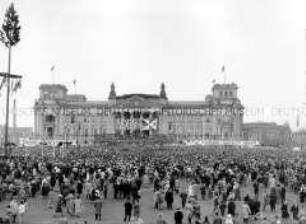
(7, 76)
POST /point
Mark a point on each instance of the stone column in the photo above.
(150, 119)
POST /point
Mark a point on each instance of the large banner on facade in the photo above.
(148, 124)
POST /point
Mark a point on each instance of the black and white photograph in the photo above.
(152, 112)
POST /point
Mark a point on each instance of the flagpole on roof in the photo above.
(224, 74)
(53, 74)
(74, 84)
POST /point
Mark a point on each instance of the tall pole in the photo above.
(7, 102)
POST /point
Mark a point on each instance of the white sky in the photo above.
(137, 44)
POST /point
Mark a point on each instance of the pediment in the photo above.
(136, 101)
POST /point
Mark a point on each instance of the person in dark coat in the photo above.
(169, 198)
(222, 207)
(98, 209)
(79, 187)
(128, 207)
(295, 211)
(273, 199)
(183, 196)
(283, 193)
(178, 216)
(231, 207)
(285, 212)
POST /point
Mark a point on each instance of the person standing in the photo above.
(229, 219)
(273, 199)
(231, 207)
(183, 196)
(246, 212)
(128, 207)
(178, 216)
(98, 209)
(169, 198)
(295, 211)
(14, 208)
(285, 212)
(136, 220)
(189, 209)
(21, 211)
(136, 208)
(206, 220)
(160, 219)
(78, 206)
(217, 219)
(266, 198)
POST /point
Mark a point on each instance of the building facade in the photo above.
(59, 115)
(268, 133)
(299, 139)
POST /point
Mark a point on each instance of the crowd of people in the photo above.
(243, 185)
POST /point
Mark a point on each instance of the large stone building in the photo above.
(299, 139)
(59, 115)
(268, 133)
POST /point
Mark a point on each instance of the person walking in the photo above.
(128, 207)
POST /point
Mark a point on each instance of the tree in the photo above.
(9, 36)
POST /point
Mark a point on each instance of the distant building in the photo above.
(299, 139)
(268, 133)
(16, 133)
(59, 115)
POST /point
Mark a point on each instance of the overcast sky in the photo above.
(137, 44)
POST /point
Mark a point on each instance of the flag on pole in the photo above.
(74, 84)
(297, 121)
(223, 72)
(12, 82)
(17, 85)
(223, 69)
(2, 83)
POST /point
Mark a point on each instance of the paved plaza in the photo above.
(113, 210)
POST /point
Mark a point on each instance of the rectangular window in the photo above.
(170, 126)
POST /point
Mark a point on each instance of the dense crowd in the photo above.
(193, 174)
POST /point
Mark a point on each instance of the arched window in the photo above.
(225, 93)
(86, 133)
